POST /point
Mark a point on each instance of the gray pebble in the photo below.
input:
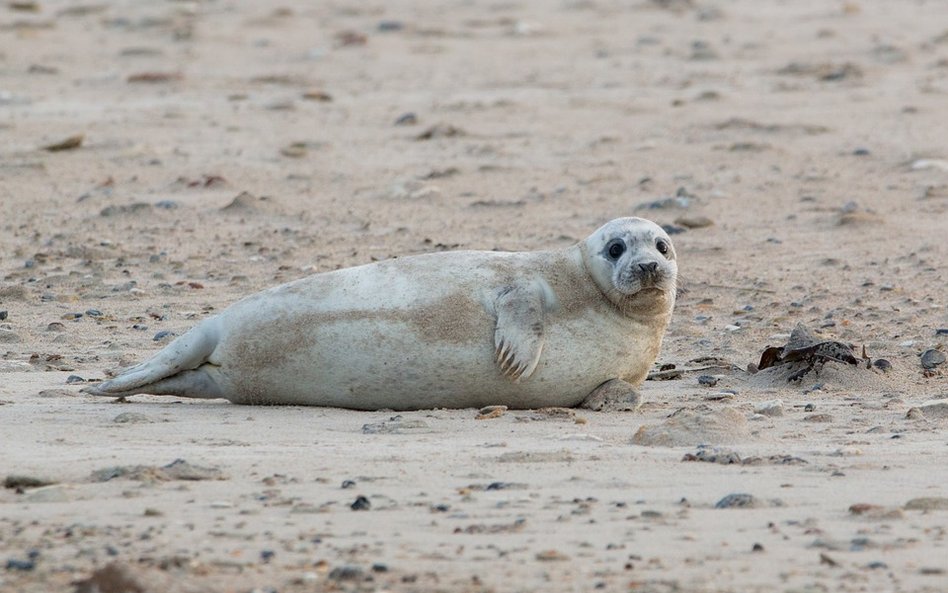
(941, 331)
(163, 335)
(347, 573)
(406, 119)
(707, 380)
(733, 501)
(73, 379)
(361, 504)
(932, 358)
(882, 364)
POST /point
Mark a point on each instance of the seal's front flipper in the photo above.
(615, 395)
(520, 310)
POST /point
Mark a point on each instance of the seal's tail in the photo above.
(172, 371)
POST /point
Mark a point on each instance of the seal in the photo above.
(453, 330)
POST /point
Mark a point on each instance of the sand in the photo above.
(162, 159)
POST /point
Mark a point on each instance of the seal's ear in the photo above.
(520, 311)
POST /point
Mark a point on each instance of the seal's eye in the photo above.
(662, 246)
(616, 249)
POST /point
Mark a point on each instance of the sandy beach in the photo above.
(161, 160)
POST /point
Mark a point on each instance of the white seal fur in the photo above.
(456, 329)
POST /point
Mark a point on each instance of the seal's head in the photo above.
(633, 263)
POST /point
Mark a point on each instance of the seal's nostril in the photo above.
(649, 268)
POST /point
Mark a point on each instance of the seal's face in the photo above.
(633, 262)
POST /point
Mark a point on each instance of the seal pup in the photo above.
(454, 330)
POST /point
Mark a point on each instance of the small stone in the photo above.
(347, 573)
(941, 331)
(914, 414)
(707, 380)
(163, 335)
(21, 565)
(551, 556)
(361, 504)
(882, 364)
(267, 555)
(861, 152)
(152, 512)
(93, 313)
(932, 358)
(20, 482)
(346, 484)
(3, 315)
(818, 418)
(694, 222)
(488, 412)
(317, 95)
(740, 500)
(55, 327)
(9, 336)
(406, 119)
(809, 407)
(770, 408)
(379, 567)
(73, 379)
(757, 548)
(390, 26)
(877, 565)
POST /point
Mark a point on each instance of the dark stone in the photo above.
(707, 380)
(361, 504)
(406, 119)
(735, 501)
(346, 573)
(932, 358)
(346, 484)
(21, 565)
(72, 379)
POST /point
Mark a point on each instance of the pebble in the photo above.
(73, 379)
(707, 380)
(406, 119)
(488, 412)
(19, 482)
(882, 364)
(346, 484)
(163, 335)
(267, 555)
(694, 222)
(932, 358)
(21, 565)
(739, 500)
(93, 313)
(941, 331)
(773, 407)
(4, 314)
(347, 573)
(361, 504)
(389, 26)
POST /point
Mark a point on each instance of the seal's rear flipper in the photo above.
(195, 383)
(172, 370)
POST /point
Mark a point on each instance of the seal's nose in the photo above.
(649, 268)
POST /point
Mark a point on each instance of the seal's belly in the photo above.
(373, 361)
